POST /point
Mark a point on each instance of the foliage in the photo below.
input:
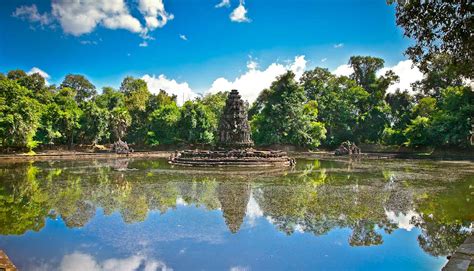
(282, 119)
(83, 88)
(438, 27)
(196, 123)
(19, 115)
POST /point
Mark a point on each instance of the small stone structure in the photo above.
(234, 146)
(347, 148)
(5, 263)
(463, 258)
(121, 147)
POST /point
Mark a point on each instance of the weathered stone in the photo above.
(234, 143)
(234, 128)
(121, 147)
(5, 263)
(347, 148)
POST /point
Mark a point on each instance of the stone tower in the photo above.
(234, 127)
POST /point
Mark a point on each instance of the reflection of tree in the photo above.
(234, 197)
(446, 217)
(316, 198)
(23, 205)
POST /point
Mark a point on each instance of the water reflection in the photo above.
(367, 197)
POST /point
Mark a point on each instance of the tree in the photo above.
(137, 99)
(84, 88)
(19, 115)
(282, 119)
(365, 68)
(401, 105)
(452, 122)
(340, 101)
(94, 123)
(66, 118)
(440, 73)
(418, 132)
(438, 27)
(163, 125)
(120, 120)
(195, 123)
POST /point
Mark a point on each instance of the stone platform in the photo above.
(247, 157)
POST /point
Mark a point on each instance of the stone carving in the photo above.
(234, 143)
(347, 148)
(234, 128)
(121, 147)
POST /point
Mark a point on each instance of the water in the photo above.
(143, 214)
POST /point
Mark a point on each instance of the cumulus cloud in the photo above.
(40, 72)
(31, 14)
(183, 37)
(154, 13)
(182, 90)
(143, 44)
(339, 45)
(253, 211)
(408, 74)
(405, 69)
(82, 17)
(223, 3)
(82, 261)
(343, 70)
(254, 80)
(239, 14)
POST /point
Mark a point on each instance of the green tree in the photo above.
(163, 125)
(67, 115)
(120, 121)
(83, 88)
(195, 123)
(452, 122)
(282, 119)
(438, 27)
(94, 123)
(19, 115)
(418, 132)
(137, 99)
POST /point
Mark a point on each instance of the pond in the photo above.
(143, 214)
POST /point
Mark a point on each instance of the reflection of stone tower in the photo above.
(234, 198)
(234, 128)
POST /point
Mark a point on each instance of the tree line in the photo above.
(319, 109)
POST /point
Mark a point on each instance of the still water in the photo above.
(142, 214)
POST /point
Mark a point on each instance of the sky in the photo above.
(192, 47)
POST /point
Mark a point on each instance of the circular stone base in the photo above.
(247, 157)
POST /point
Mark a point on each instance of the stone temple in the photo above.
(234, 145)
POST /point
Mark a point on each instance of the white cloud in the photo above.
(239, 14)
(252, 82)
(143, 44)
(324, 60)
(223, 3)
(339, 45)
(403, 221)
(252, 65)
(404, 69)
(31, 14)
(183, 37)
(343, 70)
(181, 90)
(239, 268)
(41, 72)
(408, 74)
(154, 13)
(81, 261)
(82, 17)
(88, 42)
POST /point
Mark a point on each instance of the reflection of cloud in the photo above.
(253, 210)
(239, 268)
(180, 201)
(402, 220)
(81, 261)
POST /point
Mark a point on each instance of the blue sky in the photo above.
(220, 41)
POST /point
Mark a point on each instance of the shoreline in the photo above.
(84, 155)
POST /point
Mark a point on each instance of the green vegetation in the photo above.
(319, 109)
